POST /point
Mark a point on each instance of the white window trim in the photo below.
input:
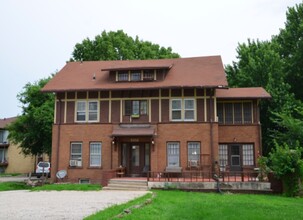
(183, 110)
(87, 111)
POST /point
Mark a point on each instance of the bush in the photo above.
(287, 165)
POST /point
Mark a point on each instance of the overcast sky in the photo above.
(37, 37)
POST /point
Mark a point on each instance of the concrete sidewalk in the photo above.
(25, 205)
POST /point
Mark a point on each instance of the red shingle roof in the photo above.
(6, 121)
(242, 93)
(184, 72)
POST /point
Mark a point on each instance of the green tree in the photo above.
(289, 128)
(290, 40)
(259, 64)
(32, 131)
(287, 165)
(119, 46)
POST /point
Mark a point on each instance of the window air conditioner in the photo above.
(73, 163)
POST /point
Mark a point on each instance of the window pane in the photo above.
(223, 155)
(128, 107)
(136, 105)
(92, 106)
(135, 76)
(189, 115)
(220, 112)
(238, 113)
(194, 151)
(80, 116)
(76, 151)
(80, 106)
(176, 104)
(228, 113)
(189, 104)
(123, 76)
(173, 154)
(95, 154)
(148, 75)
(248, 154)
(143, 107)
(81, 111)
(176, 115)
(247, 112)
(92, 111)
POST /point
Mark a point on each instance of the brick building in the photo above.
(147, 115)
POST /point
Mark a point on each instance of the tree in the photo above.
(119, 46)
(260, 65)
(32, 131)
(289, 128)
(290, 40)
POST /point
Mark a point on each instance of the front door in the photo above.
(235, 158)
(135, 156)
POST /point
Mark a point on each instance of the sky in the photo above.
(38, 37)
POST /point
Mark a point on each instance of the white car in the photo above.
(43, 168)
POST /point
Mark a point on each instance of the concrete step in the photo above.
(122, 184)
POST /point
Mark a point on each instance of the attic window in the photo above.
(135, 75)
(123, 76)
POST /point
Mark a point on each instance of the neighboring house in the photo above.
(11, 158)
(149, 115)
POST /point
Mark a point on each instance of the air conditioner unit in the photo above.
(73, 163)
(79, 163)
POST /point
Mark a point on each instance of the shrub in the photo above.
(287, 165)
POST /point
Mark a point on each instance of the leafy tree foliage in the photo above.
(271, 64)
(119, 46)
(290, 40)
(33, 129)
(287, 165)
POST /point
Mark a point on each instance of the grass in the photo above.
(60, 187)
(192, 205)
(5, 186)
(117, 209)
(9, 174)
(13, 186)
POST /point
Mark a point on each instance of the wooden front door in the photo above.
(134, 158)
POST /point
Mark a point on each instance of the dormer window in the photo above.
(135, 76)
(148, 75)
(123, 76)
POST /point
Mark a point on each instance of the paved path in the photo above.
(14, 178)
(25, 205)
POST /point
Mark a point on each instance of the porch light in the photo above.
(113, 141)
(153, 144)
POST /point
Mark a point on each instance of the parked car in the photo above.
(43, 168)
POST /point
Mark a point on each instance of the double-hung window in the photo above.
(76, 153)
(87, 111)
(173, 154)
(95, 154)
(135, 107)
(193, 153)
(183, 109)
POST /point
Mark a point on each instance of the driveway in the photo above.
(24, 204)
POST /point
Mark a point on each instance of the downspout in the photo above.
(211, 130)
(58, 139)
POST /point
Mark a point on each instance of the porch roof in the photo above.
(129, 131)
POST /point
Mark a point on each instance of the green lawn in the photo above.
(47, 187)
(13, 186)
(192, 205)
(60, 187)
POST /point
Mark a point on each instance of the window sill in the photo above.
(74, 167)
(95, 168)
